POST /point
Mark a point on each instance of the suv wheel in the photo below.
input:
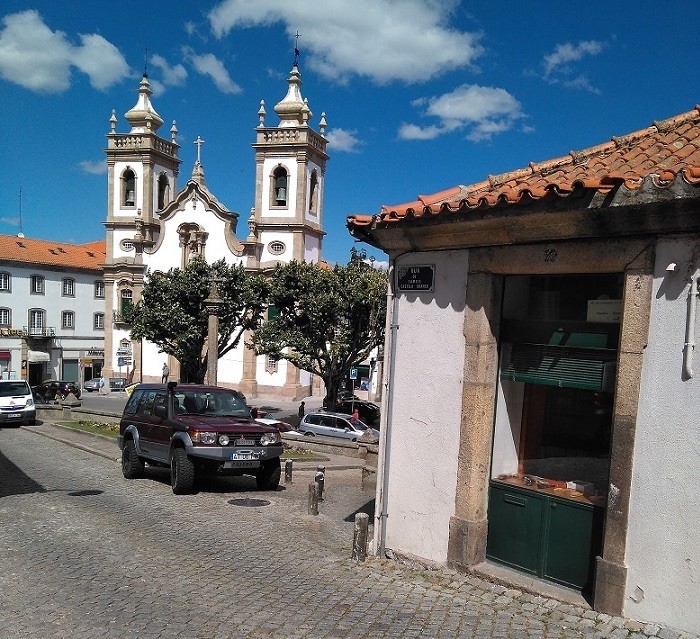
(132, 464)
(181, 472)
(268, 475)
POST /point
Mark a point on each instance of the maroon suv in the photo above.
(196, 430)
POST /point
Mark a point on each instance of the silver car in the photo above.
(334, 425)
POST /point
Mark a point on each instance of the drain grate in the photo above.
(251, 503)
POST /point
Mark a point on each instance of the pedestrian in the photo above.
(356, 414)
(301, 412)
(166, 372)
(102, 385)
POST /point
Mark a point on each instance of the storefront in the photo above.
(551, 453)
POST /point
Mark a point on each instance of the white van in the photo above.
(16, 402)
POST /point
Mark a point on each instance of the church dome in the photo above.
(142, 116)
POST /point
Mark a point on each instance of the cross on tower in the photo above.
(199, 143)
(297, 53)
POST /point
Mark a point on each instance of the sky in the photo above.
(419, 95)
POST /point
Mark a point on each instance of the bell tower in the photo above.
(290, 162)
(142, 171)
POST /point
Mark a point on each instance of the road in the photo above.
(85, 553)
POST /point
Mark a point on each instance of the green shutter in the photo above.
(585, 368)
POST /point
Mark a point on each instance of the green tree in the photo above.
(323, 320)
(172, 313)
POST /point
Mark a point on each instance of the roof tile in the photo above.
(88, 256)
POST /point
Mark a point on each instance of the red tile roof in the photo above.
(62, 255)
(661, 152)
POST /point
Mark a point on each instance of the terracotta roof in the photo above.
(661, 152)
(66, 256)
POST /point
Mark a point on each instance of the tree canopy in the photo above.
(172, 312)
(323, 320)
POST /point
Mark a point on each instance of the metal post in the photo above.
(288, 471)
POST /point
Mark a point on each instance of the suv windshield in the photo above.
(10, 389)
(221, 403)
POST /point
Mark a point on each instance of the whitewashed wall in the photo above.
(663, 541)
(427, 403)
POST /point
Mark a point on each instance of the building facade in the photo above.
(559, 433)
(153, 226)
(51, 310)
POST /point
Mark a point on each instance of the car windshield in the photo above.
(216, 403)
(10, 389)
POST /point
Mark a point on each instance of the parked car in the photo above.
(92, 385)
(282, 427)
(117, 383)
(367, 411)
(56, 390)
(334, 425)
(16, 402)
(196, 430)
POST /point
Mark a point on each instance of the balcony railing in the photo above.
(118, 318)
(38, 331)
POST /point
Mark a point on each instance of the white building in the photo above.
(151, 225)
(51, 310)
(546, 320)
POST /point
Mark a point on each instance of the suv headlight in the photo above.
(224, 440)
(270, 438)
(30, 402)
(203, 437)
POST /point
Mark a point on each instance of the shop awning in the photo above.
(38, 356)
(5, 355)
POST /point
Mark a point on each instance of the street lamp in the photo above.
(213, 305)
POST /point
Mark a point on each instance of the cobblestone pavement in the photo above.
(85, 553)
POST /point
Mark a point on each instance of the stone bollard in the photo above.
(359, 541)
(288, 471)
(320, 480)
(313, 498)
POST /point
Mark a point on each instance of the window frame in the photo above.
(95, 317)
(68, 320)
(128, 176)
(99, 286)
(8, 312)
(274, 177)
(68, 287)
(5, 282)
(37, 285)
(33, 313)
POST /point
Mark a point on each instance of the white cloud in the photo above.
(344, 141)
(208, 64)
(559, 67)
(486, 111)
(38, 59)
(385, 40)
(172, 76)
(96, 168)
(11, 221)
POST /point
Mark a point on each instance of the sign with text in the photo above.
(420, 278)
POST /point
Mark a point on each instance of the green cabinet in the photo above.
(544, 535)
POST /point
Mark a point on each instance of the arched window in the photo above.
(280, 181)
(126, 301)
(313, 193)
(128, 188)
(163, 191)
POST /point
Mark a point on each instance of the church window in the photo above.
(163, 191)
(276, 248)
(126, 301)
(313, 193)
(129, 188)
(271, 363)
(280, 184)
(127, 245)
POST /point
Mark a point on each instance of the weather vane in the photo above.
(145, 62)
(297, 53)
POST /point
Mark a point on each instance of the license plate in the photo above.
(243, 455)
(241, 464)
(12, 415)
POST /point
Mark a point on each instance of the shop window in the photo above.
(128, 188)
(5, 282)
(68, 287)
(98, 321)
(99, 289)
(5, 317)
(68, 319)
(280, 186)
(36, 283)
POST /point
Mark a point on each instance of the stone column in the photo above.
(213, 305)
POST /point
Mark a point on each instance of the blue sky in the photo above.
(419, 95)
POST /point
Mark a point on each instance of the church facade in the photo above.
(153, 226)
